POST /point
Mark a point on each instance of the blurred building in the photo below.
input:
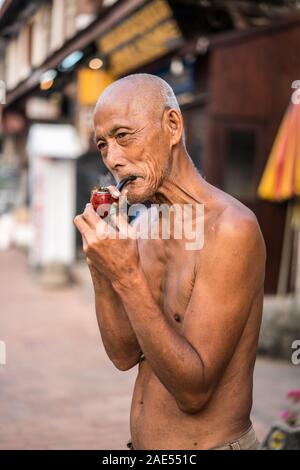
(230, 63)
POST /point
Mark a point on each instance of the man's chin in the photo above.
(136, 197)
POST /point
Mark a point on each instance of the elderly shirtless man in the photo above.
(190, 319)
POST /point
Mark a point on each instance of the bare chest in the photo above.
(170, 271)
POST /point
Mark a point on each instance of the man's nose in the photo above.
(114, 158)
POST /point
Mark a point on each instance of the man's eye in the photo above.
(101, 145)
(121, 135)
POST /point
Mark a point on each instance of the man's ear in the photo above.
(174, 123)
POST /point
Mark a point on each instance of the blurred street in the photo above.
(59, 390)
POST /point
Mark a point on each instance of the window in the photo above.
(239, 174)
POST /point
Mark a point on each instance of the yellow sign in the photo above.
(148, 34)
(146, 48)
(91, 84)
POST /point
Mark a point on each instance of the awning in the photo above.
(280, 182)
(281, 177)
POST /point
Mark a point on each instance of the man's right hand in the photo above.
(115, 193)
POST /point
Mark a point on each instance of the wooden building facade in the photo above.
(251, 75)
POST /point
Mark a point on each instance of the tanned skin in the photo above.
(194, 314)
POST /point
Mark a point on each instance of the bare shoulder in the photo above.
(238, 224)
(235, 239)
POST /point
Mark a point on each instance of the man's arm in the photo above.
(190, 364)
(118, 337)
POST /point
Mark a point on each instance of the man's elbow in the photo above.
(125, 365)
(193, 405)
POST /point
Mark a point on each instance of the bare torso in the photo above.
(194, 388)
(156, 421)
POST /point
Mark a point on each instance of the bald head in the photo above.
(138, 129)
(151, 94)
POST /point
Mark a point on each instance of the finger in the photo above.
(90, 216)
(123, 204)
(114, 191)
(89, 261)
(105, 230)
(81, 225)
(117, 219)
(123, 198)
(84, 244)
(84, 240)
(120, 223)
(113, 215)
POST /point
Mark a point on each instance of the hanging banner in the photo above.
(148, 34)
(91, 84)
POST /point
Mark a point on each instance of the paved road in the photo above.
(59, 390)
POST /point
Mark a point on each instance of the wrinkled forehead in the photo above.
(126, 104)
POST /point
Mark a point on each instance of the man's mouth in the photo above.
(125, 181)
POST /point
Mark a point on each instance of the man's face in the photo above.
(132, 140)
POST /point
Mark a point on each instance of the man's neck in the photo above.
(183, 184)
